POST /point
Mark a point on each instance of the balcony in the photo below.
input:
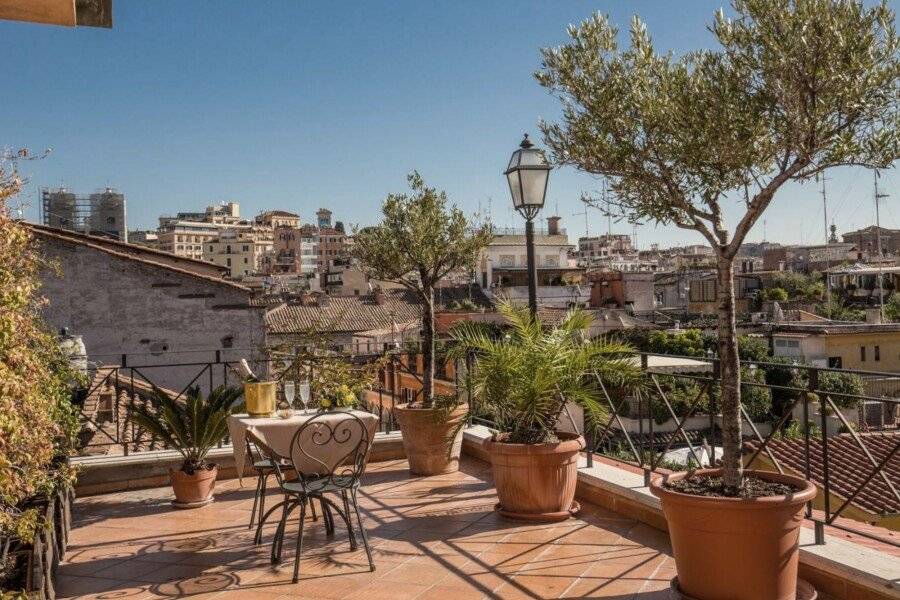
(432, 537)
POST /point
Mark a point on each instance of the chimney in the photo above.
(379, 296)
(552, 225)
(307, 298)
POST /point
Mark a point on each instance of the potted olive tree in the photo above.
(704, 142)
(419, 242)
(523, 379)
(193, 428)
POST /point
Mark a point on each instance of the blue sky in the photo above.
(297, 105)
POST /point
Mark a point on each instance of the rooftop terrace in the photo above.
(433, 537)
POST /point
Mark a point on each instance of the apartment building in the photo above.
(242, 252)
(295, 250)
(186, 233)
(277, 218)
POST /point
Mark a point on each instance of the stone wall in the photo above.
(155, 315)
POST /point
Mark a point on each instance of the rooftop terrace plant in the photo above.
(705, 141)
(525, 377)
(37, 420)
(192, 426)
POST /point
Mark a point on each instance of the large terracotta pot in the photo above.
(536, 482)
(260, 398)
(193, 490)
(432, 438)
(732, 548)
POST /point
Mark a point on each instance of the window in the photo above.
(835, 362)
(862, 354)
(228, 249)
(228, 262)
(245, 248)
(877, 353)
(245, 260)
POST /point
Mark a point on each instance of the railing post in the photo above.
(826, 484)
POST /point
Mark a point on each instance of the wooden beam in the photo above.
(69, 13)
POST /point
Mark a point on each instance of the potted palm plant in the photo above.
(193, 428)
(524, 379)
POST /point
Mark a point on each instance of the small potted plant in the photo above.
(193, 428)
(525, 379)
(338, 383)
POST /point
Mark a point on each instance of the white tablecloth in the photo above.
(277, 433)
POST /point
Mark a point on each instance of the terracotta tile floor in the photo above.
(432, 538)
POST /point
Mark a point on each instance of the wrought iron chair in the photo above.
(264, 465)
(328, 453)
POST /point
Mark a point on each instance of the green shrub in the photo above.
(37, 420)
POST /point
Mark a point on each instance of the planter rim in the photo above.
(569, 442)
(408, 406)
(205, 473)
(807, 491)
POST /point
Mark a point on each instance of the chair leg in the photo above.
(264, 477)
(259, 527)
(312, 510)
(327, 517)
(362, 530)
(348, 519)
(278, 541)
(299, 539)
(255, 501)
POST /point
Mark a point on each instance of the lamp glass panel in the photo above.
(514, 188)
(514, 160)
(534, 185)
(532, 157)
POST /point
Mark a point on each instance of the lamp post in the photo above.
(527, 174)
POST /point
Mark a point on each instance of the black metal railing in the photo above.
(113, 388)
(797, 433)
(791, 427)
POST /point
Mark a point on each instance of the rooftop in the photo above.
(433, 538)
(849, 467)
(363, 313)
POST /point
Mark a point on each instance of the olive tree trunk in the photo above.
(730, 370)
(428, 346)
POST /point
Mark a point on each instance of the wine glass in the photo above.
(289, 393)
(304, 393)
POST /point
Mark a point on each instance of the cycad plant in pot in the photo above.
(525, 378)
(193, 427)
(705, 142)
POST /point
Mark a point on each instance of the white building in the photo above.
(503, 267)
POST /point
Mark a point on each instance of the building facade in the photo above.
(101, 213)
(241, 252)
(152, 307)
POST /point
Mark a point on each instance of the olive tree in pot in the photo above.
(524, 379)
(193, 428)
(704, 142)
(420, 241)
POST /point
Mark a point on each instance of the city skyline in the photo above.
(273, 124)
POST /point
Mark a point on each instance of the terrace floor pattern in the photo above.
(433, 538)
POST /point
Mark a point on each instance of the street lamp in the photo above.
(527, 174)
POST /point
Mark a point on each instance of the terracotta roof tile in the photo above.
(345, 313)
(848, 467)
